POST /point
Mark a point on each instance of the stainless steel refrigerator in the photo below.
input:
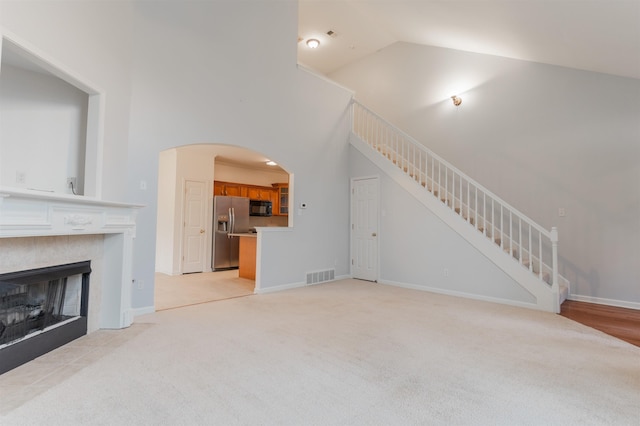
(230, 215)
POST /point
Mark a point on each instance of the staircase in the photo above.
(523, 249)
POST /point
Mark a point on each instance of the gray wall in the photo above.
(180, 73)
(542, 137)
(416, 247)
(225, 73)
(93, 40)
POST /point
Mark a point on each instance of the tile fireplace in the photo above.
(40, 310)
(46, 231)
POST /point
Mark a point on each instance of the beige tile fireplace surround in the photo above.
(20, 254)
(39, 229)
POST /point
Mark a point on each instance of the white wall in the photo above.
(42, 132)
(93, 39)
(176, 166)
(195, 163)
(542, 137)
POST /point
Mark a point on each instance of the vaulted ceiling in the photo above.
(594, 35)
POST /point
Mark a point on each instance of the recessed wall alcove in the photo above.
(51, 120)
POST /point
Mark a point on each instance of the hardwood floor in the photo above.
(622, 323)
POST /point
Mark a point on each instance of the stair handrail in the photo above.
(551, 235)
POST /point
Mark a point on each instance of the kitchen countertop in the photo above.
(245, 234)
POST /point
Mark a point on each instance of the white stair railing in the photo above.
(534, 247)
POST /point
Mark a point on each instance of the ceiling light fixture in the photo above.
(271, 163)
(313, 43)
(456, 100)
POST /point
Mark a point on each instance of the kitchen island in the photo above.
(247, 255)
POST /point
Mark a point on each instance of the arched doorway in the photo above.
(189, 179)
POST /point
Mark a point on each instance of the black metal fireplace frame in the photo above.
(30, 348)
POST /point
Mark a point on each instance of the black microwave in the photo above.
(260, 208)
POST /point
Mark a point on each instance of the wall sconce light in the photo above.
(456, 100)
(313, 43)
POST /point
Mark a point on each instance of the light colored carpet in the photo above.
(350, 353)
(190, 289)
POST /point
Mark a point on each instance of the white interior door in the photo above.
(194, 234)
(364, 228)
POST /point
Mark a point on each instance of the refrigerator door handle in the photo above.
(230, 222)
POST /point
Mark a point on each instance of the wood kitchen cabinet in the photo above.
(253, 192)
(218, 188)
(262, 193)
(228, 188)
(247, 257)
(281, 204)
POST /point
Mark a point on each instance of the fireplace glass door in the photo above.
(26, 308)
(30, 304)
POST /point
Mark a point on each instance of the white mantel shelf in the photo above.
(30, 213)
(25, 213)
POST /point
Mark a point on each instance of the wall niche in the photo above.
(49, 124)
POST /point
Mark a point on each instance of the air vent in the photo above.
(332, 34)
(321, 276)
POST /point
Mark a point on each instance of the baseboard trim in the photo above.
(170, 273)
(462, 294)
(281, 287)
(143, 311)
(603, 301)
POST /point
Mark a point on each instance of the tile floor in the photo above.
(33, 378)
(190, 289)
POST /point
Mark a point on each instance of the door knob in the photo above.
(202, 231)
(374, 235)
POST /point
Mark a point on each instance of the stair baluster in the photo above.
(447, 183)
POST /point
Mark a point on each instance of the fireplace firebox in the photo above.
(41, 310)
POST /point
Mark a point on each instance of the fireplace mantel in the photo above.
(30, 213)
